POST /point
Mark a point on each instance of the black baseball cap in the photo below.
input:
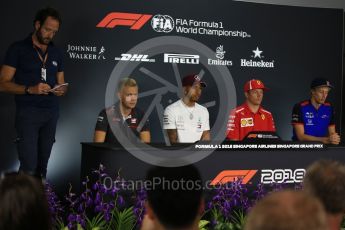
(317, 82)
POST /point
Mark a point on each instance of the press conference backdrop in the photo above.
(226, 42)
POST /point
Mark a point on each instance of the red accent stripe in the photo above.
(304, 103)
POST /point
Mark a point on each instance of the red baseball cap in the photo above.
(254, 84)
(192, 79)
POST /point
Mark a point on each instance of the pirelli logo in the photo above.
(181, 58)
(134, 21)
(228, 176)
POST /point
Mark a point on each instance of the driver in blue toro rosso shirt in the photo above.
(313, 119)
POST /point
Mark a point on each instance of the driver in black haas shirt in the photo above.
(123, 116)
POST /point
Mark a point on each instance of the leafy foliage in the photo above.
(102, 206)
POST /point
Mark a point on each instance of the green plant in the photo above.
(124, 220)
(101, 207)
(98, 207)
(220, 222)
(96, 223)
(238, 218)
(203, 224)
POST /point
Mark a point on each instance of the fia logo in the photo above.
(162, 23)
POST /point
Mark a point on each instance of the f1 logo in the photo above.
(135, 21)
(227, 176)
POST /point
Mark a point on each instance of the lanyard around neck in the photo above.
(43, 60)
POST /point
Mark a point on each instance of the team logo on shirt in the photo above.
(133, 120)
(309, 115)
(263, 116)
(54, 63)
(116, 119)
(166, 119)
(199, 124)
(295, 117)
(310, 122)
(100, 118)
(247, 122)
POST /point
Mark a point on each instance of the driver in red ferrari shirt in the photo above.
(250, 116)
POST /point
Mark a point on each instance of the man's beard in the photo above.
(42, 40)
(194, 98)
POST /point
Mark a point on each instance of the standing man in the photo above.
(250, 116)
(313, 119)
(185, 120)
(32, 67)
(123, 116)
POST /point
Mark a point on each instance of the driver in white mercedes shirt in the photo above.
(186, 121)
